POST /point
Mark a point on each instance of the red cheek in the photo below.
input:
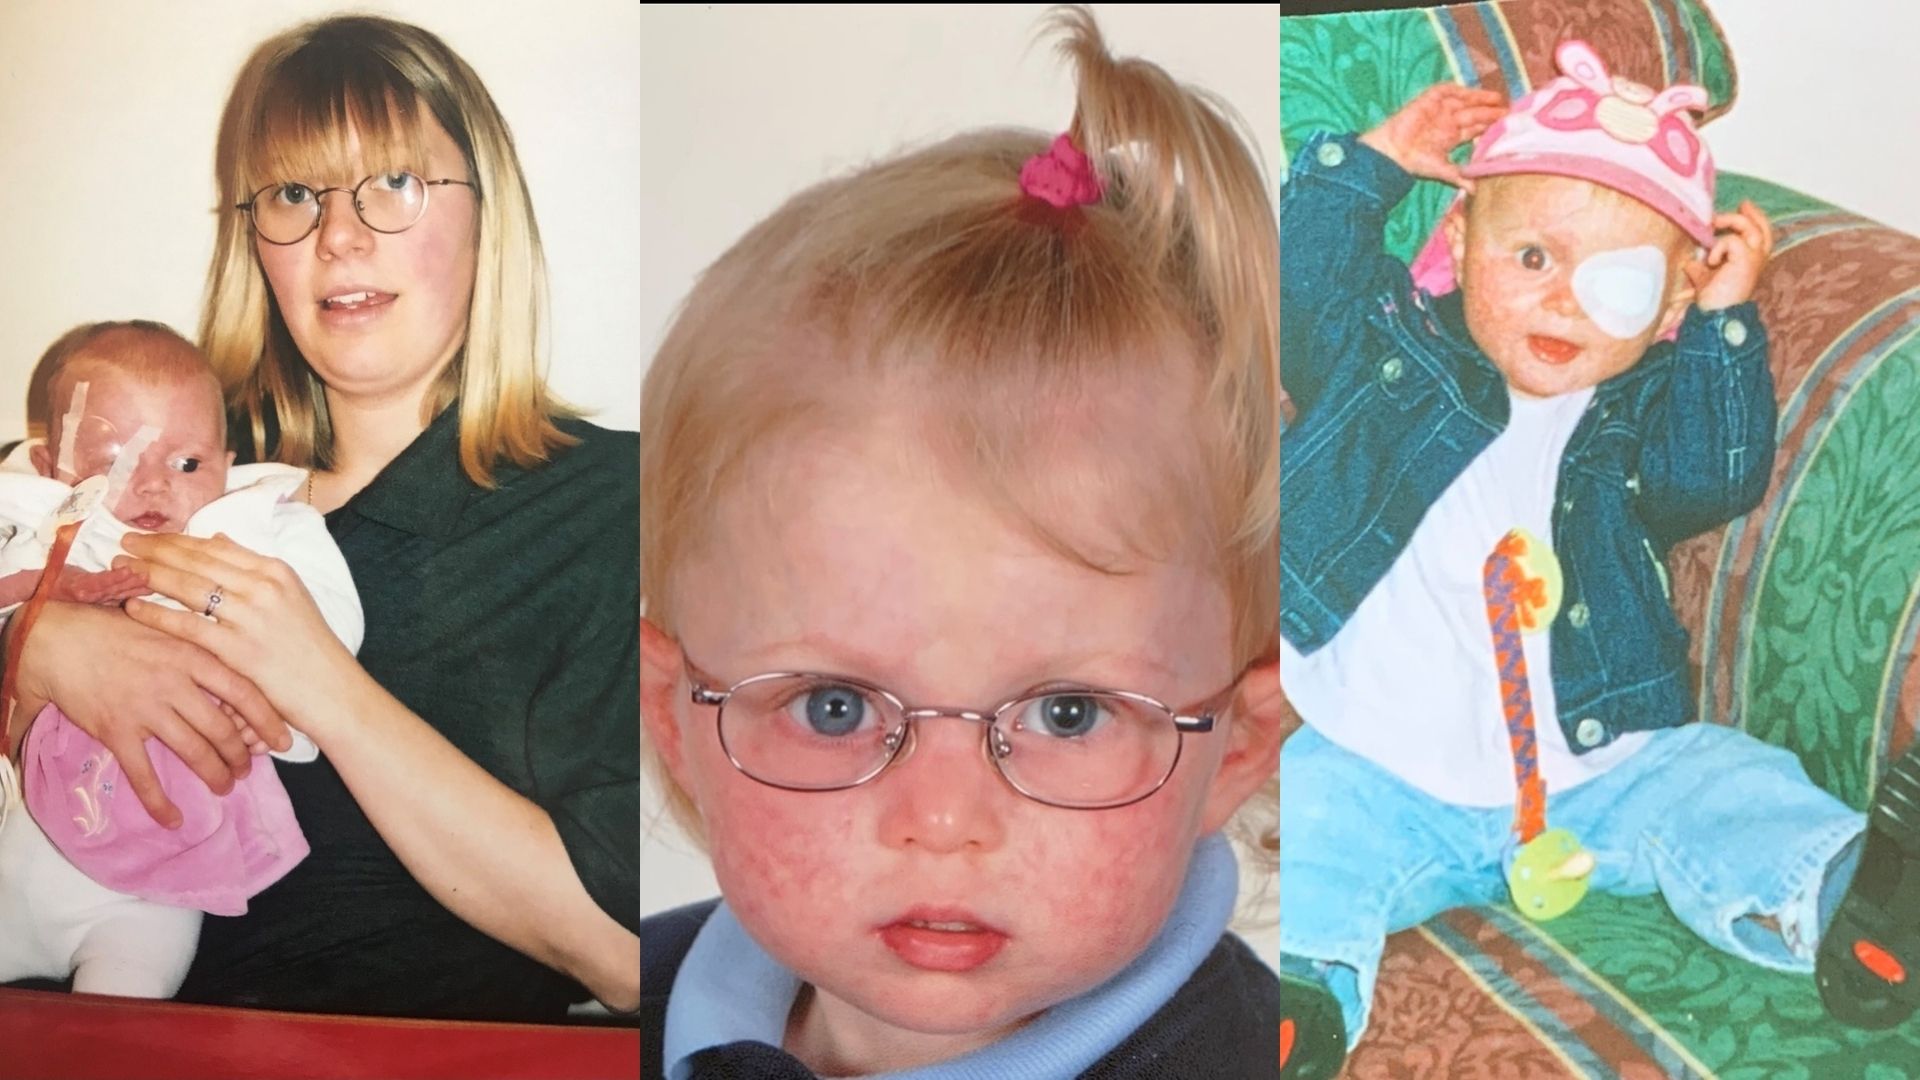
(1112, 873)
(774, 848)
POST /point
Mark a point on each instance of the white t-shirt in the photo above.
(1409, 682)
(261, 512)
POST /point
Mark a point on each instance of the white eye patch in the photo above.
(1620, 290)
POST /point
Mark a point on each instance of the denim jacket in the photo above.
(1394, 400)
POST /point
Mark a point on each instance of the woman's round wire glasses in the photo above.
(390, 202)
(1074, 747)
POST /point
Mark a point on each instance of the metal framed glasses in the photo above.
(1079, 748)
(390, 202)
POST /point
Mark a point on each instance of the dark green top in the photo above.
(509, 620)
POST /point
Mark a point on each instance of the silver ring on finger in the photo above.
(213, 600)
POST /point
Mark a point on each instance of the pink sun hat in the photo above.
(1590, 125)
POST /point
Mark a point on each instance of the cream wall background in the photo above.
(1827, 104)
(108, 113)
(741, 108)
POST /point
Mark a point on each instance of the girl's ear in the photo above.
(1454, 226)
(1252, 759)
(1689, 273)
(662, 672)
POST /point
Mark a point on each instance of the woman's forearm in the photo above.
(487, 853)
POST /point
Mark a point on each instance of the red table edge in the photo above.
(57, 1036)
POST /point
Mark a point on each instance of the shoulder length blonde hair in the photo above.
(289, 115)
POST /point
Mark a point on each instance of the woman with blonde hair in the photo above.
(373, 312)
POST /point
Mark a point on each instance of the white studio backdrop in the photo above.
(743, 107)
(108, 114)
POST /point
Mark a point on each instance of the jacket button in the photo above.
(1392, 368)
(1332, 154)
(1589, 732)
(1735, 332)
(1578, 615)
(1633, 483)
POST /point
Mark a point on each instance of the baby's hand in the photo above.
(255, 744)
(1732, 267)
(1420, 136)
(98, 587)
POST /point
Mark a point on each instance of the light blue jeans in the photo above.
(1725, 827)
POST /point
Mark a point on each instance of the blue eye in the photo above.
(1064, 715)
(292, 194)
(396, 181)
(1533, 257)
(830, 710)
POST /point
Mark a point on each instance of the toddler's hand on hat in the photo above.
(1420, 136)
(1731, 270)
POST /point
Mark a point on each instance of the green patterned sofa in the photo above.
(1804, 613)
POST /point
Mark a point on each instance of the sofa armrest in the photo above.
(1803, 613)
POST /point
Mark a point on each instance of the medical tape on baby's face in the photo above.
(127, 461)
(70, 431)
(1621, 290)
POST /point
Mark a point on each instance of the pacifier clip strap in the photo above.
(26, 616)
(1515, 602)
(1548, 873)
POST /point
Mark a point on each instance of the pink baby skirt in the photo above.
(226, 850)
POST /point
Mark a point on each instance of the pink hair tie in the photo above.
(1063, 176)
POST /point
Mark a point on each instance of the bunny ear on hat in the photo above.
(1681, 96)
(1578, 61)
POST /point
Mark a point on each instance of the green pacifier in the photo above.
(1549, 875)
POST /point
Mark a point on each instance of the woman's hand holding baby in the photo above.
(122, 684)
(1420, 136)
(1732, 267)
(267, 627)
